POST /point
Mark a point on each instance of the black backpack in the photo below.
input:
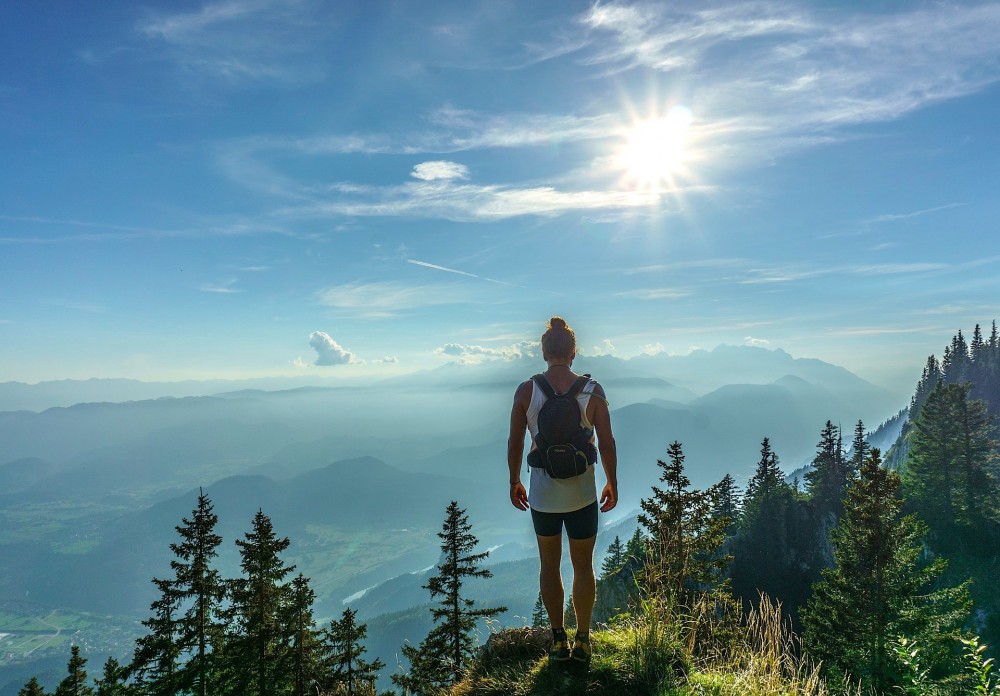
(562, 446)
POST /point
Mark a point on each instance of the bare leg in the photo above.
(581, 553)
(549, 578)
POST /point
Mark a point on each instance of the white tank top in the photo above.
(545, 493)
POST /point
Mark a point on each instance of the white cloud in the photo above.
(328, 351)
(652, 349)
(606, 348)
(386, 299)
(751, 341)
(299, 363)
(388, 360)
(475, 354)
(467, 202)
(440, 169)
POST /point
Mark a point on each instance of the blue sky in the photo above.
(248, 188)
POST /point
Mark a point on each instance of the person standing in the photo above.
(557, 500)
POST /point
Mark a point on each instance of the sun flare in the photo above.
(656, 148)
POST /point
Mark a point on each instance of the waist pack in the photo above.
(563, 447)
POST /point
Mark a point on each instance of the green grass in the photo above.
(652, 654)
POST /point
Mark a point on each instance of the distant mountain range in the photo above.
(358, 475)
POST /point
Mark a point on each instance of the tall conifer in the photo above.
(947, 475)
(344, 642)
(112, 681)
(32, 688)
(442, 656)
(306, 648)
(75, 683)
(879, 589)
(259, 636)
(202, 588)
(684, 537)
(157, 654)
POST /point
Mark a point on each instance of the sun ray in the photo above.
(656, 149)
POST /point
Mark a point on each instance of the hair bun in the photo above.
(557, 323)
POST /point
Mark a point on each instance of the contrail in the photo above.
(473, 275)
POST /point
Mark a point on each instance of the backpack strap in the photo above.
(544, 385)
(575, 389)
(578, 385)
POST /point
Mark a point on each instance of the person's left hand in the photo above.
(609, 498)
(519, 496)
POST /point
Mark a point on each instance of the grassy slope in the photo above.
(647, 655)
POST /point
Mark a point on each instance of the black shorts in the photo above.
(580, 524)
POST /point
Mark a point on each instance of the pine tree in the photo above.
(635, 549)
(155, 663)
(878, 589)
(767, 479)
(684, 538)
(259, 638)
(728, 502)
(775, 549)
(441, 658)
(75, 683)
(32, 688)
(827, 481)
(307, 650)
(539, 617)
(344, 642)
(859, 450)
(614, 559)
(956, 362)
(947, 475)
(201, 586)
(112, 681)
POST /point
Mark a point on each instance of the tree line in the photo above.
(877, 565)
(874, 565)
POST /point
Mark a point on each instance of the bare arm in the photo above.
(515, 444)
(601, 418)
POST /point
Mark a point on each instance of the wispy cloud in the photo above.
(225, 287)
(468, 202)
(876, 331)
(780, 76)
(710, 264)
(653, 294)
(238, 40)
(379, 300)
(793, 273)
(76, 305)
(116, 232)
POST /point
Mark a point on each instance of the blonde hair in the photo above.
(558, 341)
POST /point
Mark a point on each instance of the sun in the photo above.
(655, 149)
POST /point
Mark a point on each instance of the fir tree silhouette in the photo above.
(442, 656)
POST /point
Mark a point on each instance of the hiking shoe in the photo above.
(581, 649)
(559, 652)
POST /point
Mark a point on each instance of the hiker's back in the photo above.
(548, 494)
